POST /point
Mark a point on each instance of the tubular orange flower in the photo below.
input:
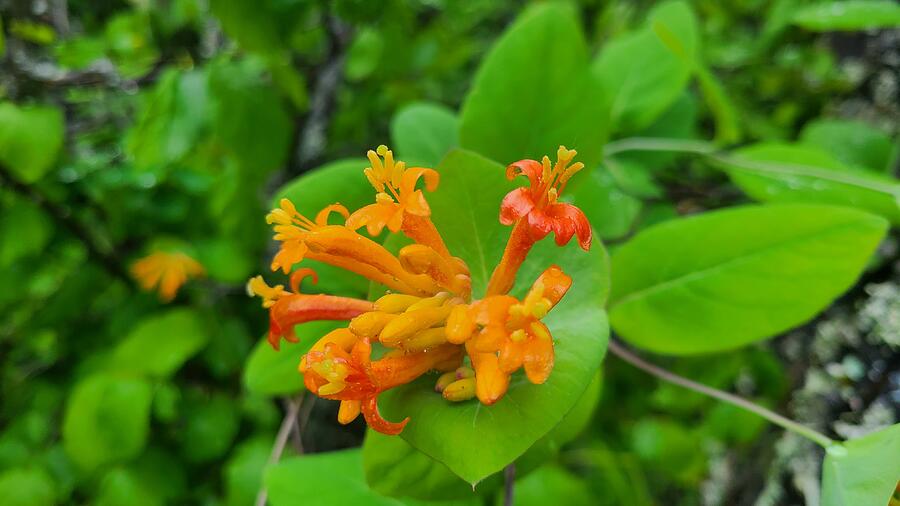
(166, 271)
(287, 309)
(402, 207)
(534, 212)
(337, 370)
(429, 321)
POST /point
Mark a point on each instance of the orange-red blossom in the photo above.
(428, 320)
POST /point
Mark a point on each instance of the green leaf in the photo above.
(639, 75)
(850, 15)
(464, 208)
(30, 139)
(862, 471)
(551, 484)
(249, 117)
(679, 121)
(854, 143)
(722, 279)
(122, 485)
(271, 372)
(173, 116)
(160, 344)
(364, 54)
(773, 172)
(610, 210)
(27, 487)
(423, 133)
(393, 467)
(107, 419)
(533, 92)
(324, 479)
(24, 231)
(243, 472)
(210, 425)
(225, 260)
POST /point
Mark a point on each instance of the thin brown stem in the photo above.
(290, 420)
(509, 481)
(618, 350)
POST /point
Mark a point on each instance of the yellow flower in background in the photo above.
(165, 272)
(428, 320)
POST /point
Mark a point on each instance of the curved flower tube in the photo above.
(535, 211)
(334, 371)
(287, 309)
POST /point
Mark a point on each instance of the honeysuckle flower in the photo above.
(428, 320)
(341, 368)
(165, 271)
(287, 309)
(535, 211)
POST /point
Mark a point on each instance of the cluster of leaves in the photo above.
(173, 125)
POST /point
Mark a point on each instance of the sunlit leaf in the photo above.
(533, 92)
(465, 209)
(726, 278)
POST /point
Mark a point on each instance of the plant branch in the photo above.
(618, 350)
(292, 407)
(509, 481)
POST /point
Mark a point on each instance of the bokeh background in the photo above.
(142, 127)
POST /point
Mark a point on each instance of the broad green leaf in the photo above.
(464, 208)
(225, 260)
(208, 428)
(393, 467)
(249, 117)
(262, 26)
(30, 139)
(722, 279)
(610, 210)
(24, 231)
(172, 117)
(423, 133)
(364, 54)
(639, 75)
(551, 484)
(533, 92)
(27, 487)
(774, 172)
(243, 472)
(129, 43)
(326, 479)
(862, 471)
(271, 372)
(122, 485)
(854, 143)
(160, 344)
(849, 15)
(679, 121)
(107, 419)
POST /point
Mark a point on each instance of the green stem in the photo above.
(785, 423)
(659, 144)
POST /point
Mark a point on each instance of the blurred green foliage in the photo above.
(128, 128)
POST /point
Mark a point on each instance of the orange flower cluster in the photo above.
(428, 320)
(166, 271)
